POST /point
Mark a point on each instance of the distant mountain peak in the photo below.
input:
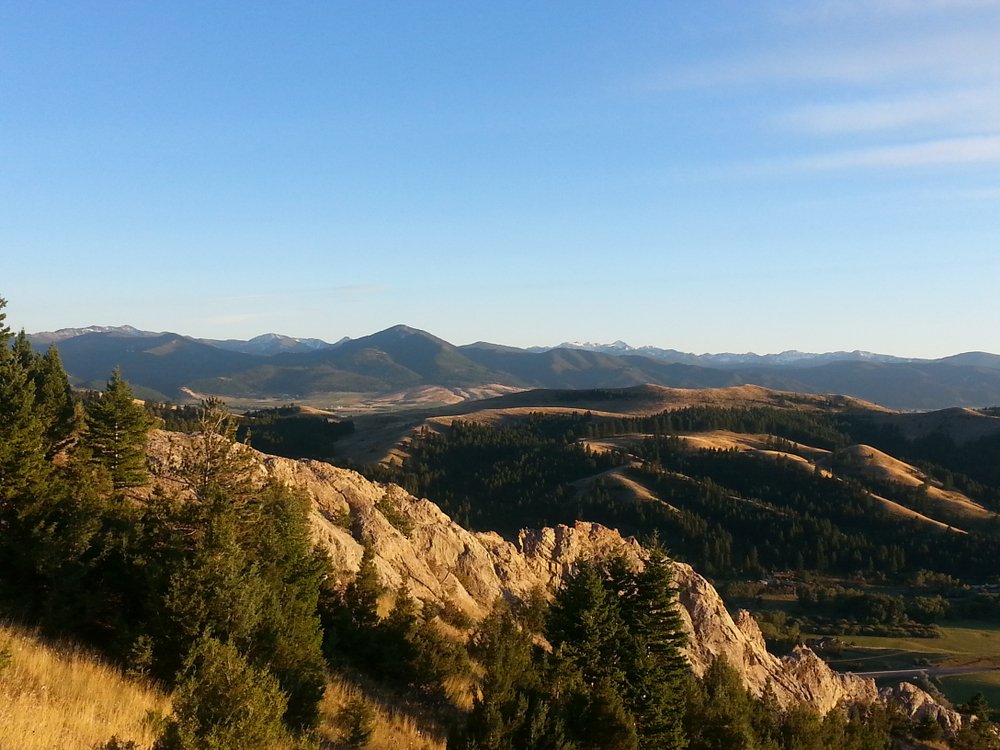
(401, 329)
(617, 346)
(269, 344)
(401, 332)
(62, 334)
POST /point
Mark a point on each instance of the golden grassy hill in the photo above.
(57, 696)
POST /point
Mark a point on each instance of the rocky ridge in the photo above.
(443, 564)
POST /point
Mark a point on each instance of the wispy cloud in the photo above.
(930, 57)
(968, 110)
(981, 150)
(828, 9)
(868, 84)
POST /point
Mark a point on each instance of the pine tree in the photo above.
(22, 454)
(215, 465)
(589, 640)
(659, 668)
(54, 401)
(720, 710)
(514, 708)
(249, 574)
(586, 626)
(362, 594)
(116, 433)
(224, 703)
(289, 637)
(357, 723)
(23, 468)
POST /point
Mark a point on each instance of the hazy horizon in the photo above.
(717, 177)
(551, 345)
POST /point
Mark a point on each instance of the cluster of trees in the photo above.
(499, 477)
(846, 611)
(730, 513)
(404, 649)
(972, 467)
(216, 589)
(813, 428)
(213, 590)
(288, 431)
(814, 522)
(614, 676)
(281, 431)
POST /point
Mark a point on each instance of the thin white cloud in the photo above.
(960, 58)
(961, 110)
(984, 149)
(832, 9)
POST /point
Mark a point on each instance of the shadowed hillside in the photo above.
(402, 359)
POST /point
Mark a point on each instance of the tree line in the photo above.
(216, 590)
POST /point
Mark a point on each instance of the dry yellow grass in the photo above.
(394, 729)
(63, 697)
(726, 440)
(57, 697)
(862, 459)
(948, 505)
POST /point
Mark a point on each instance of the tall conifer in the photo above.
(659, 670)
(54, 397)
(23, 468)
(116, 433)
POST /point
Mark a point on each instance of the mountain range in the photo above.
(170, 366)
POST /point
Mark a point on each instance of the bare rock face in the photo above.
(917, 704)
(441, 563)
(799, 677)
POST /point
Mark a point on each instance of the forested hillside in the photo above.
(212, 586)
(401, 359)
(744, 494)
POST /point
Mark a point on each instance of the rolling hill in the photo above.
(169, 366)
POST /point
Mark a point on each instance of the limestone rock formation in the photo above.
(917, 704)
(441, 563)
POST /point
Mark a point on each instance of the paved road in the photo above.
(929, 671)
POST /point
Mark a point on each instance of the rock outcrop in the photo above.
(916, 704)
(443, 564)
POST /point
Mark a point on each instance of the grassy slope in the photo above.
(394, 728)
(57, 696)
(63, 697)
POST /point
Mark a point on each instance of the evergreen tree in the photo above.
(23, 468)
(658, 668)
(362, 594)
(214, 465)
(388, 647)
(589, 641)
(289, 638)
(224, 703)
(54, 401)
(586, 627)
(248, 573)
(513, 708)
(357, 723)
(720, 711)
(116, 433)
(22, 455)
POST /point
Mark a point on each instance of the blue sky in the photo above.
(713, 176)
